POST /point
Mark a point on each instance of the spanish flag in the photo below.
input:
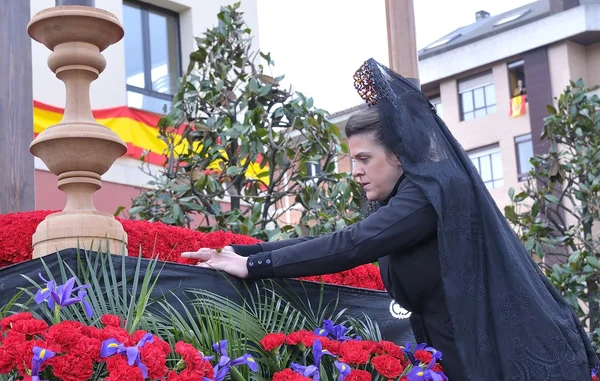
(136, 128)
(518, 105)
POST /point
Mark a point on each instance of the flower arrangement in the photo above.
(154, 239)
(94, 325)
(72, 351)
(352, 358)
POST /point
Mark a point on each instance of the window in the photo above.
(443, 41)
(477, 96)
(516, 78)
(152, 58)
(313, 171)
(512, 17)
(437, 103)
(488, 163)
(524, 148)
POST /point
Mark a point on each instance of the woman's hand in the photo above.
(224, 260)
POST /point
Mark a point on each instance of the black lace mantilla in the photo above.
(510, 322)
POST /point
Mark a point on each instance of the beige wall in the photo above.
(109, 90)
(498, 128)
(571, 61)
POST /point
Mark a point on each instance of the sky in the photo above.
(319, 44)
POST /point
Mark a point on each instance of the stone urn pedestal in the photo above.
(78, 150)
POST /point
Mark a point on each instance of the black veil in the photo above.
(510, 322)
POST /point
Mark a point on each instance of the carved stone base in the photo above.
(64, 230)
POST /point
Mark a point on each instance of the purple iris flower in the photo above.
(225, 363)
(313, 370)
(595, 371)
(306, 371)
(335, 332)
(39, 356)
(318, 352)
(111, 346)
(428, 374)
(344, 370)
(58, 297)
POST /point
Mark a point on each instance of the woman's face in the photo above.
(377, 169)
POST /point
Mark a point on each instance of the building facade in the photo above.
(491, 81)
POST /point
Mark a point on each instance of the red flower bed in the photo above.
(156, 238)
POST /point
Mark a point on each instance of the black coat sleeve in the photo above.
(407, 219)
(247, 250)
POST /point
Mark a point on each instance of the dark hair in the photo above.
(366, 122)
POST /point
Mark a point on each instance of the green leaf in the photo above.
(253, 85)
(551, 109)
(509, 212)
(234, 171)
(535, 208)
(552, 198)
(593, 261)
(264, 90)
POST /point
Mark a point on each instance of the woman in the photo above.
(446, 253)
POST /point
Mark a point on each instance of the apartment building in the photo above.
(491, 81)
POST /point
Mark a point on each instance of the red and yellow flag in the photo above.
(518, 105)
(136, 128)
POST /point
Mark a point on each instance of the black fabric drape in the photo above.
(510, 322)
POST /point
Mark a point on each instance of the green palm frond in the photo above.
(366, 328)
(110, 292)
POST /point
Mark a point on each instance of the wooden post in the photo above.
(16, 109)
(402, 45)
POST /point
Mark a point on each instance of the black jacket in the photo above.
(401, 235)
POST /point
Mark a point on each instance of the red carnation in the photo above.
(121, 371)
(387, 366)
(299, 337)
(88, 347)
(289, 375)
(193, 359)
(7, 361)
(356, 352)
(111, 320)
(23, 353)
(30, 327)
(73, 368)
(110, 332)
(333, 346)
(272, 341)
(389, 348)
(438, 368)
(359, 375)
(186, 375)
(423, 356)
(65, 334)
(155, 360)
(7, 322)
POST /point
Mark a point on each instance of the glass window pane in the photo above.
(468, 116)
(481, 112)
(498, 183)
(467, 101)
(525, 153)
(497, 170)
(490, 95)
(134, 47)
(163, 53)
(486, 168)
(148, 103)
(491, 109)
(479, 98)
(489, 185)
